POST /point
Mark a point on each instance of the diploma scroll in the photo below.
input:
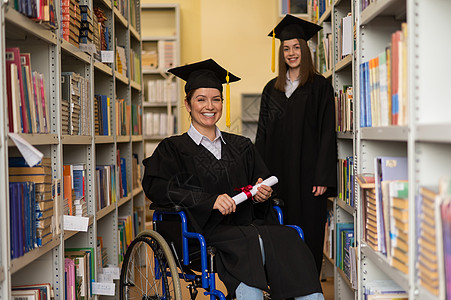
(242, 196)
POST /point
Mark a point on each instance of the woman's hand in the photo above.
(263, 192)
(225, 204)
(319, 190)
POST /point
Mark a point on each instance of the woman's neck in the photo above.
(294, 73)
(209, 132)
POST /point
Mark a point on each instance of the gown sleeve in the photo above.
(260, 139)
(326, 170)
(166, 183)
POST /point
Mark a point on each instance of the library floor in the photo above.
(328, 290)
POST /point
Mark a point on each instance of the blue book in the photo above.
(78, 178)
(32, 214)
(20, 219)
(362, 96)
(104, 109)
(124, 176)
(368, 95)
(107, 38)
(13, 219)
(340, 227)
(19, 161)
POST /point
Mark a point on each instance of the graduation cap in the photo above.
(206, 74)
(289, 28)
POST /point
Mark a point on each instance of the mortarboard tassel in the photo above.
(227, 101)
(273, 59)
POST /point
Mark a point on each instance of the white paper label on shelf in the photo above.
(107, 56)
(31, 155)
(115, 272)
(90, 48)
(103, 288)
(104, 277)
(74, 223)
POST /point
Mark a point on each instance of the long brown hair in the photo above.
(307, 69)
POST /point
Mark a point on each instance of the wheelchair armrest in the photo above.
(277, 202)
(173, 208)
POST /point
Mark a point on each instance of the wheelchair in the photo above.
(157, 259)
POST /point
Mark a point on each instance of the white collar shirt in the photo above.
(213, 146)
(290, 86)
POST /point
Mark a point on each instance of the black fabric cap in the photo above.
(292, 27)
(203, 74)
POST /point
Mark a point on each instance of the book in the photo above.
(386, 169)
(45, 289)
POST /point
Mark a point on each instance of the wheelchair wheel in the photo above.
(149, 271)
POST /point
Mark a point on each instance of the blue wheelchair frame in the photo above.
(207, 278)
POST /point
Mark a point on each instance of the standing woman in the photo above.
(296, 133)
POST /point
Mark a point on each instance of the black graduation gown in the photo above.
(187, 174)
(297, 140)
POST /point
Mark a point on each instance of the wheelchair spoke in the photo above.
(147, 274)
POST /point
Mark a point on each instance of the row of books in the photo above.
(39, 291)
(135, 67)
(39, 11)
(318, 8)
(344, 244)
(70, 21)
(121, 5)
(344, 110)
(325, 49)
(79, 268)
(383, 289)
(101, 32)
(163, 58)
(161, 91)
(128, 227)
(102, 115)
(76, 98)
(74, 190)
(34, 198)
(126, 116)
(385, 210)
(383, 85)
(158, 124)
(346, 180)
(28, 104)
(121, 60)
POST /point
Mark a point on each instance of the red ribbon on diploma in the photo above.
(246, 190)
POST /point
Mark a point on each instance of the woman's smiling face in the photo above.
(205, 107)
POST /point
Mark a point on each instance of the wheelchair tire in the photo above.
(138, 280)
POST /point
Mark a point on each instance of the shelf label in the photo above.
(107, 56)
(115, 272)
(103, 288)
(74, 223)
(90, 48)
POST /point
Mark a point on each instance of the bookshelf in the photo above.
(74, 139)
(423, 138)
(336, 63)
(161, 51)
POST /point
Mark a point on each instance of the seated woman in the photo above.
(201, 170)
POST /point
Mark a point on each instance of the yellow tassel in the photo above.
(273, 59)
(227, 101)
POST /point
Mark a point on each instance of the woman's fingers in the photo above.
(225, 204)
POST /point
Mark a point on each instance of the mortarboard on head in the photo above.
(291, 28)
(206, 74)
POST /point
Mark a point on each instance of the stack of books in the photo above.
(31, 205)
(427, 263)
(86, 27)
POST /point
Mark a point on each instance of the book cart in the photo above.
(77, 140)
